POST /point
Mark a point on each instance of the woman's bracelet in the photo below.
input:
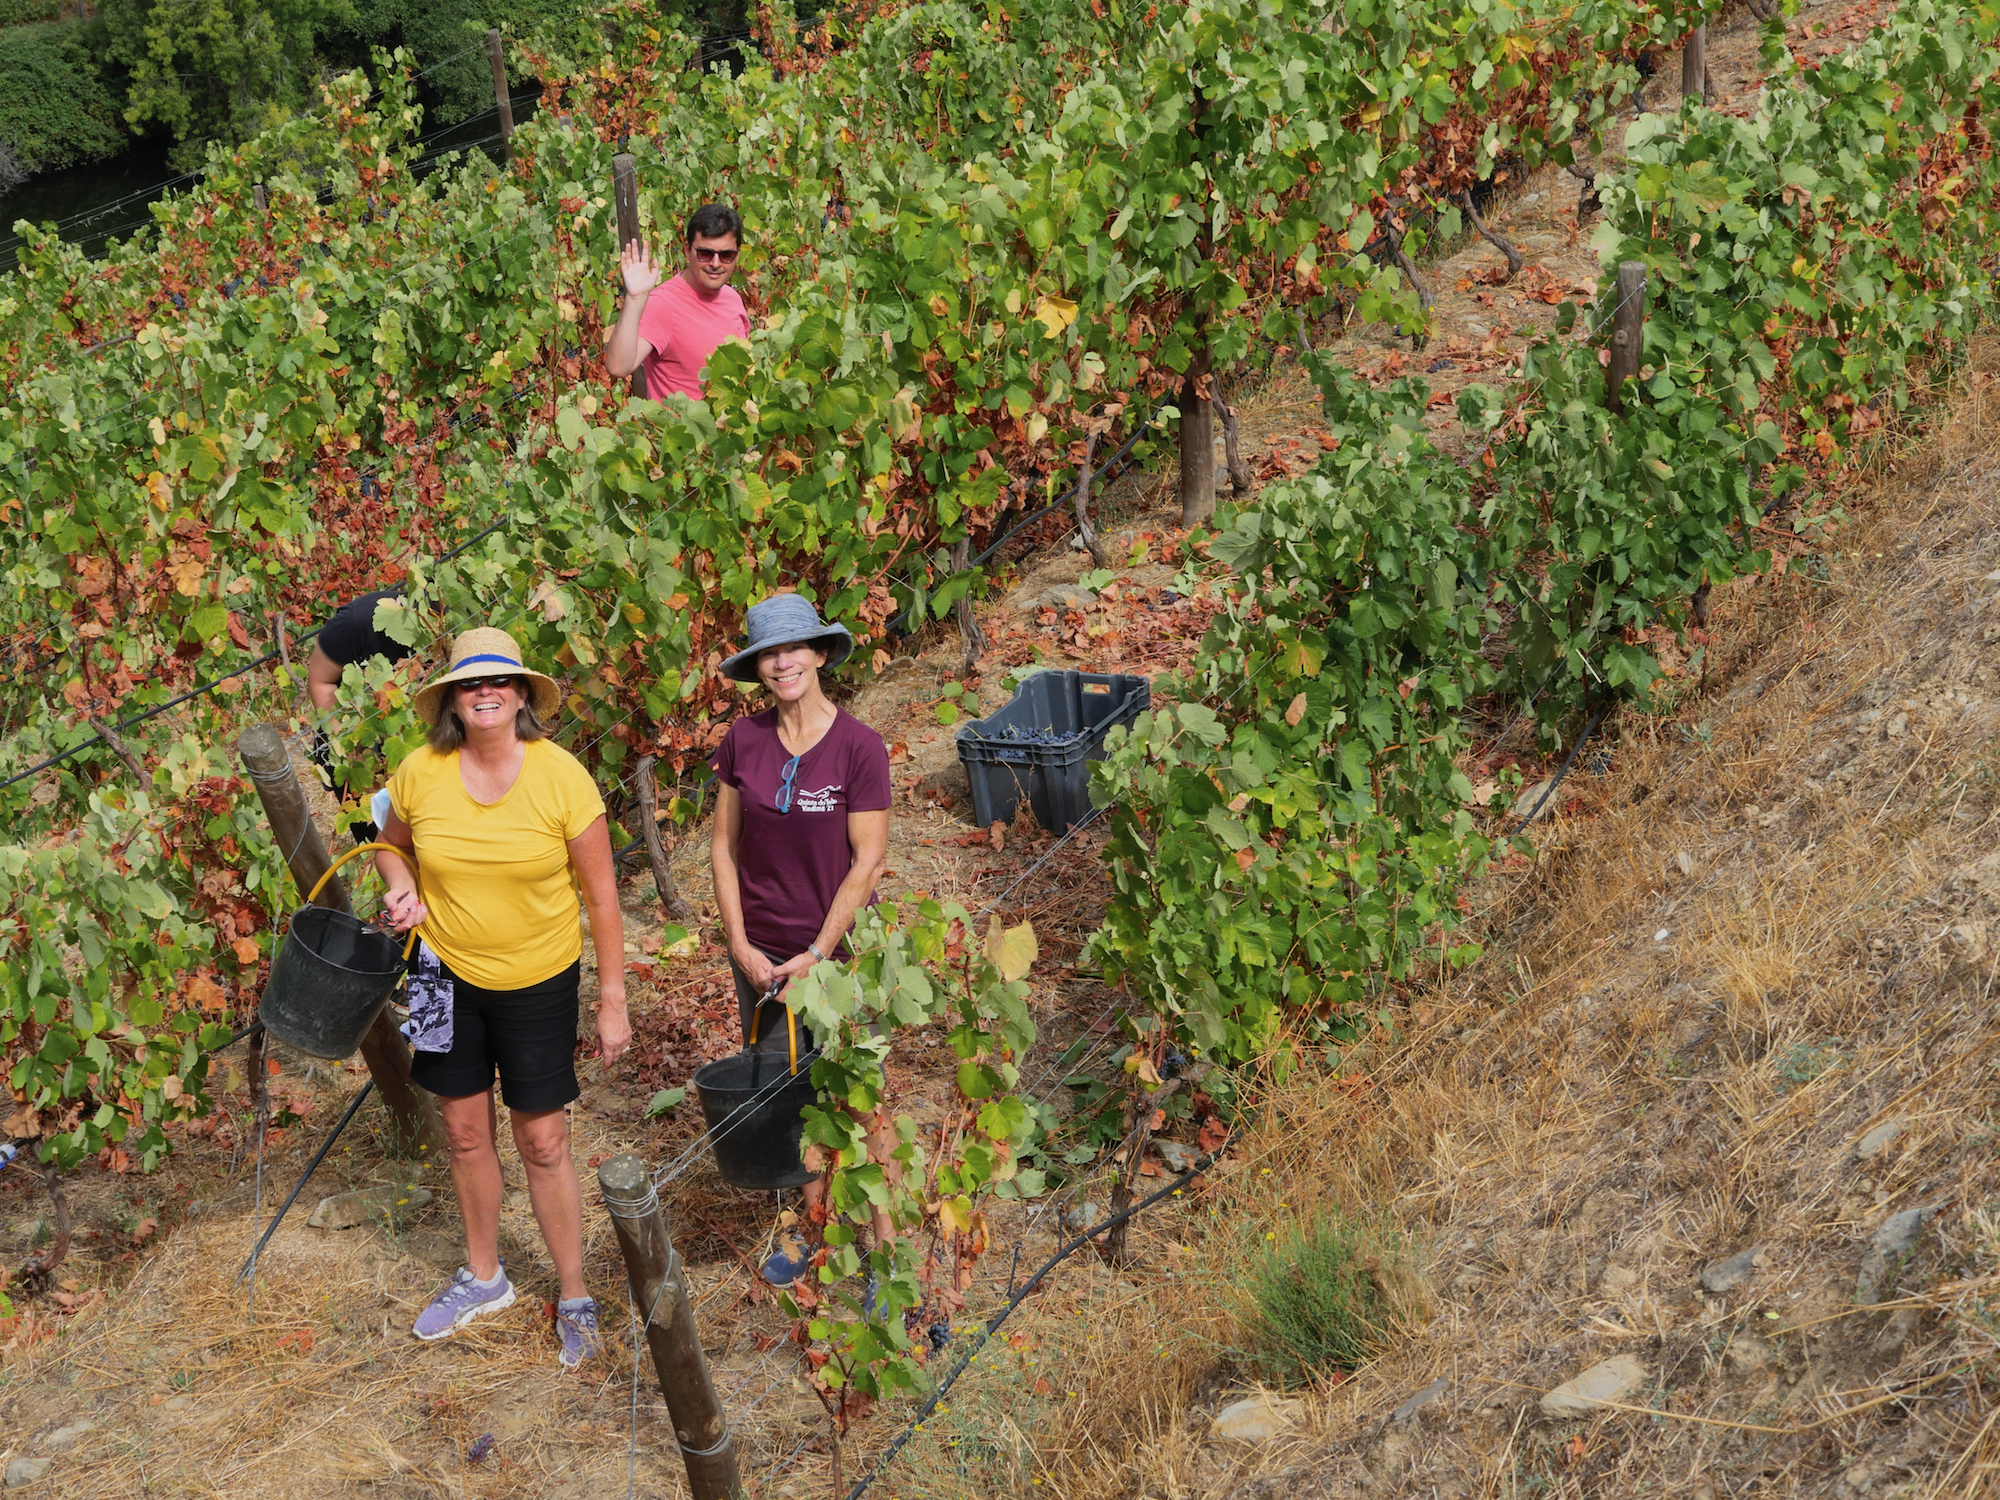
(813, 949)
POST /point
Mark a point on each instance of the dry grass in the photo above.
(316, 1387)
(1598, 1112)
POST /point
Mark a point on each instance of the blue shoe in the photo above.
(789, 1262)
(576, 1326)
(460, 1302)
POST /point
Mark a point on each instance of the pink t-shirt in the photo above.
(684, 328)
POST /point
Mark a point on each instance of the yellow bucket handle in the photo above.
(791, 1026)
(319, 885)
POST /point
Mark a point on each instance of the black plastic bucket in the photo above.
(758, 1148)
(331, 978)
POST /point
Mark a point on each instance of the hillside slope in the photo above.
(1720, 1100)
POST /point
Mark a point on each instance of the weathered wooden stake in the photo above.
(1628, 332)
(625, 197)
(969, 633)
(1197, 439)
(1083, 527)
(263, 203)
(653, 1271)
(671, 900)
(1240, 477)
(498, 57)
(625, 193)
(1694, 64)
(412, 1112)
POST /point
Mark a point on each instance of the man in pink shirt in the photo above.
(670, 329)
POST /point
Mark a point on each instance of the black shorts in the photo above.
(528, 1035)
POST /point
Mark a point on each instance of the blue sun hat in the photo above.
(785, 620)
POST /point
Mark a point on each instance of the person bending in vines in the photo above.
(801, 831)
(670, 327)
(497, 828)
(348, 638)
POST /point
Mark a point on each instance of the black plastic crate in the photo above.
(1041, 744)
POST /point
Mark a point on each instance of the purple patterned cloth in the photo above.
(429, 993)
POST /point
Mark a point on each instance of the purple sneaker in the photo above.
(576, 1326)
(460, 1302)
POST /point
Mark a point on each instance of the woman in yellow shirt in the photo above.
(504, 826)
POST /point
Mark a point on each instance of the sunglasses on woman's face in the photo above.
(715, 257)
(474, 684)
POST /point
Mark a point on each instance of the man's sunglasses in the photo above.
(474, 684)
(715, 257)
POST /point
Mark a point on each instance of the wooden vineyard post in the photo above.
(1694, 64)
(1628, 332)
(625, 198)
(263, 203)
(1197, 440)
(1084, 529)
(671, 900)
(412, 1111)
(625, 195)
(659, 1293)
(498, 57)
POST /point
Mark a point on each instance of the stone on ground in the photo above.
(1612, 1380)
(368, 1206)
(1896, 1237)
(1728, 1275)
(65, 1438)
(1873, 1142)
(24, 1471)
(1256, 1419)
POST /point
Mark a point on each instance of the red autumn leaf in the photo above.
(1245, 859)
(236, 631)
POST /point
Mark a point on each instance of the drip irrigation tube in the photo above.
(305, 1177)
(992, 1326)
(1568, 761)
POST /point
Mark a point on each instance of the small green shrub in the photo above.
(1804, 1063)
(1325, 1294)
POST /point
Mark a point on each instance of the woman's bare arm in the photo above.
(590, 857)
(404, 906)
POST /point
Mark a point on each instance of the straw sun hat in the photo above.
(485, 652)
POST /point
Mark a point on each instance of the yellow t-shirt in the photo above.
(496, 876)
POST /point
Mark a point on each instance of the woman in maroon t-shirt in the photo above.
(801, 813)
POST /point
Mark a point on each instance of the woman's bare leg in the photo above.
(543, 1139)
(475, 1177)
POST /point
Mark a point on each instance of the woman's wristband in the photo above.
(813, 949)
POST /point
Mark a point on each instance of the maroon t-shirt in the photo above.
(789, 865)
